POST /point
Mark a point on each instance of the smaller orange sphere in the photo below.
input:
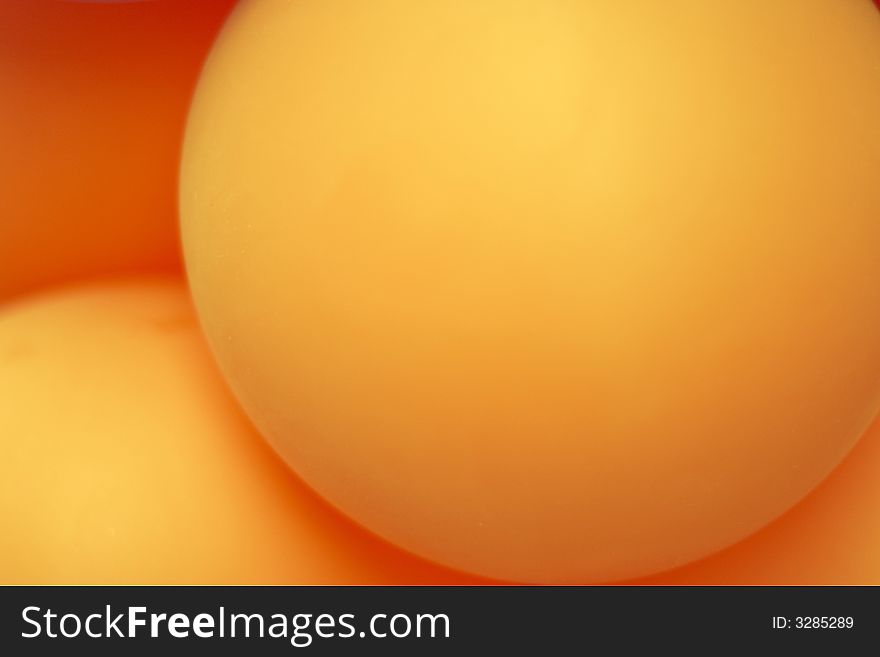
(126, 461)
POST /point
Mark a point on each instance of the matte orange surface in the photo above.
(550, 291)
(93, 99)
(125, 460)
(832, 537)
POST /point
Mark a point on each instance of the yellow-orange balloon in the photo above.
(832, 537)
(93, 101)
(549, 291)
(125, 460)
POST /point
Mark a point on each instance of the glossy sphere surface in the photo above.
(549, 291)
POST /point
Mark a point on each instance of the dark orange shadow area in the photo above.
(93, 101)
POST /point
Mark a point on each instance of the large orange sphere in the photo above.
(125, 460)
(549, 291)
(830, 538)
(93, 100)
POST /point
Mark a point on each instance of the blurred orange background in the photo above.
(93, 102)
